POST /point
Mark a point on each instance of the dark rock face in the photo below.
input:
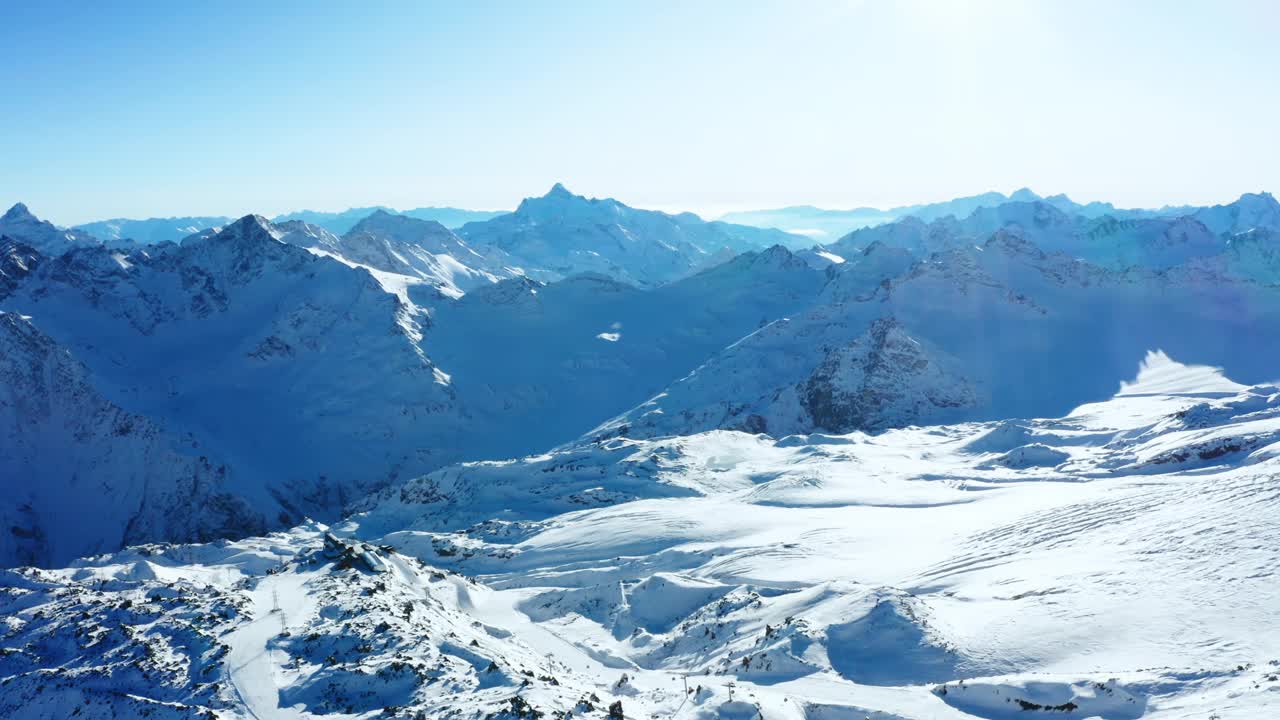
(17, 260)
(884, 378)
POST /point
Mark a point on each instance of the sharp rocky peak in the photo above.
(19, 211)
(557, 201)
(776, 256)
(250, 227)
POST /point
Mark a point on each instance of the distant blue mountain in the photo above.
(828, 225)
(452, 218)
(340, 223)
(150, 230)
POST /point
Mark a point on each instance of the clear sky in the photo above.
(224, 108)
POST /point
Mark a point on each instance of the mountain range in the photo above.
(306, 369)
(826, 225)
(342, 222)
(547, 461)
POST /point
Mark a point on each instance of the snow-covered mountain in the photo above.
(312, 380)
(126, 232)
(562, 234)
(93, 476)
(539, 364)
(999, 330)
(306, 235)
(424, 249)
(1116, 242)
(19, 224)
(299, 373)
(1117, 562)
(316, 367)
(1253, 211)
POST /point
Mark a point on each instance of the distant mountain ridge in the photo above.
(342, 222)
(826, 225)
(150, 231)
(994, 316)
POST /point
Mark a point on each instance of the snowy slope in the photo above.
(1117, 562)
(303, 234)
(1083, 560)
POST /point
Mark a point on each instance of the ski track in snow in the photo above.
(251, 669)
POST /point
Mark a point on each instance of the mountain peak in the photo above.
(404, 227)
(776, 256)
(1023, 195)
(1258, 198)
(558, 200)
(251, 221)
(19, 211)
(250, 227)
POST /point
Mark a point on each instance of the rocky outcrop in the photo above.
(883, 379)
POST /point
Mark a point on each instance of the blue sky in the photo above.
(226, 108)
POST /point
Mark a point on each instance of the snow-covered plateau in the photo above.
(1118, 562)
(1004, 457)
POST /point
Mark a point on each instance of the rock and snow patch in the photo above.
(1020, 697)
